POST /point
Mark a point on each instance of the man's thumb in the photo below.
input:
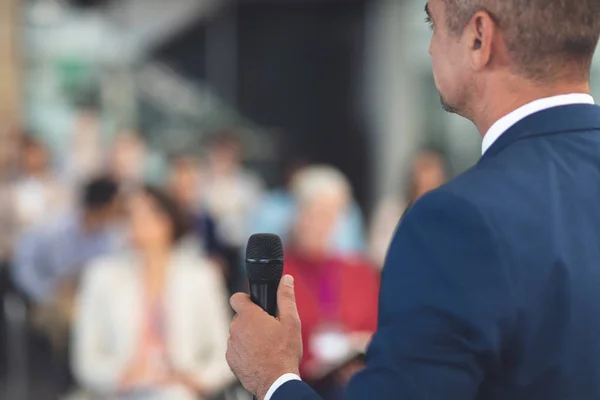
(286, 301)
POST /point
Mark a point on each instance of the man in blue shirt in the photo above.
(54, 252)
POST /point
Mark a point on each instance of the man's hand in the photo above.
(262, 348)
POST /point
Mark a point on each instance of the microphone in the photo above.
(264, 266)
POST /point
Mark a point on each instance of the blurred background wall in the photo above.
(9, 58)
(315, 75)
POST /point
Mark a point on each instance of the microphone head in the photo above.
(264, 257)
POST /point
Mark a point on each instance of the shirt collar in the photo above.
(504, 123)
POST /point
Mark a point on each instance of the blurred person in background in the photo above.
(336, 294)
(277, 209)
(184, 187)
(83, 155)
(50, 257)
(61, 247)
(152, 324)
(37, 192)
(131, 163)
(429, 170)
(231, 194)
(30, 195)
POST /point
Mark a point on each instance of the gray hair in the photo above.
(544, 37)
(314, 181)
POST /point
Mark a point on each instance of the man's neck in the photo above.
(514, 95)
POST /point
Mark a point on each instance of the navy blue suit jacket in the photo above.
(491, 288)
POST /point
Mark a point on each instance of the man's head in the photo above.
(99, 201)
(322, 194)
(480, 44)
(34, 156)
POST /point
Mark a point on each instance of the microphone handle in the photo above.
(264, 294)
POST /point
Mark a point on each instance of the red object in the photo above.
(342, 291)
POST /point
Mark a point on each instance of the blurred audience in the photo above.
(429, 169)
(152, 324)
(231, 194)
(277, 209)
(49, 259)
(336, 294)
(144, 316)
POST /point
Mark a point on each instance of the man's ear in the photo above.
(481, 35)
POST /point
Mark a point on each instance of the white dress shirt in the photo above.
(506, 122)
(495, 131)
(279, 382)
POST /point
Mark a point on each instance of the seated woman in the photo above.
(336, 293)
(152, 324)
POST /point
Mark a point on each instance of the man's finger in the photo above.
(239, 301)
(286, 301)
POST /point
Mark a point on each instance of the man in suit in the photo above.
(491, 288)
